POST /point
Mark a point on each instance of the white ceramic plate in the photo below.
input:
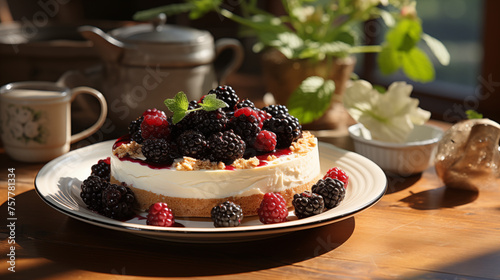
(58, 184)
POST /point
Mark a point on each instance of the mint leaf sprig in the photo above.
(179, 105)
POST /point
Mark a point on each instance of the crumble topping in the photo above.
(242, 163)
(190, 164)
(132, 149)
(271, 157)
(304, 144)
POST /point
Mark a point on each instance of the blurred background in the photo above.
(39, 41)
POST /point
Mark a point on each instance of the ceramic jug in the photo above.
(146, 63)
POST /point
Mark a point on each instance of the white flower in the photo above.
(16, 129)
(31, 129)
(390, 116)
(24, 115)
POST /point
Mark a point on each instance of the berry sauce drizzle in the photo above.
(261, 157)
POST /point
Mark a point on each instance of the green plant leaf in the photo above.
(471, 114)
(388, 60)
(438, 49)
(178, 103)
(417, 66)
(211, 103)
(202, 7)
(405, 35)
(288, 43)
(311, 99)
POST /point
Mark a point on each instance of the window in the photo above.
(468, 28)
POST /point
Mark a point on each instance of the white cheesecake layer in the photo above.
(283, 173)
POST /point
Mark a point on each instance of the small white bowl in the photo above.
(407, 158)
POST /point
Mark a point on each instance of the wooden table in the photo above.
(419, 230)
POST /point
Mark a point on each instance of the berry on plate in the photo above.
(102, 169)
(273, 209)
(227, 214)
(117, 202)
(332, 191)
(337, 173)
(160, 215)
(307, 204)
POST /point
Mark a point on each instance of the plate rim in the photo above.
(235, 232)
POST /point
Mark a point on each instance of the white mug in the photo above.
(35, 119)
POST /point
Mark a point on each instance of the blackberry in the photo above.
(227, 214)
(157, 151)
(287, 130)
(247, 127)
(117, 202)
(245, 103)
(193, 104)
(134, 130)
(102, 169)
(135, 125)
(226, 147)
(208, 122)
(226, 94)
(192, 143)
(307, 204)
(187, 123)
(91, 193)
(276, 110)
(332, 191)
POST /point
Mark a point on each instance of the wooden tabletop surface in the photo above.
(418, 230)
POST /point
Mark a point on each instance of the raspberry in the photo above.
(226, 94)
(154, 112)
(102, 169)
(160, 215)
(307, 204)
(247, 111)
(276, 110)
(245, 126)
(226, 147)
(227, 214)
(157, 151)
(263, 115)
(118, 202)
(332, 191)
(273, 209)
(154, 126)
(337, 173)
(192, 143)
(287, 130)
(265, 141)
(91, 193)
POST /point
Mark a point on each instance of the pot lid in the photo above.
(166, 44)
(159, 32)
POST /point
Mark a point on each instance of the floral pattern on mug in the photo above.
(25, 124)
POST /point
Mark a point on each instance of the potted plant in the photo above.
(310, 49)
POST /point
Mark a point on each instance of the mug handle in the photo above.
(102, 117)
(236, 61)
